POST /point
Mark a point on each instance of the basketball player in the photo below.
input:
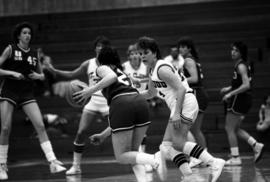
(129, 112)
(92, 110)
(135, 69)
(173, 88)
(175, 58)
(193, 72)
(20, 68)
(239, 100)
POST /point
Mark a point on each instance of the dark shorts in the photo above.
(127, 112)
(240, 104)
(202, 98)
(17, 98)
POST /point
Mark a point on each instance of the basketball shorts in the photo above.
(240, 104)
(128, 112)
(98, 104)
(190, 109)
(18, 97)
(202, 98)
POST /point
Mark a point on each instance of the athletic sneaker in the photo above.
(3, 172)
(234, 161)
(194, 162)
(56, 166)
(258, 151)
(74, 170)
(161, 167)
(216, 167)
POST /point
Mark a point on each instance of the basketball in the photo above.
(73, 87)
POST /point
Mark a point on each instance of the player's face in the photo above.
(235, 53)
(174, 52)
(184, 50)
(148, 57)
(134, 57)
(25, 35)
(99, 46)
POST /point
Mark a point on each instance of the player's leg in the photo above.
(139, 169)
(79, 143)
(33, 112)
(6, 109)
(232, 122)
(257, 147)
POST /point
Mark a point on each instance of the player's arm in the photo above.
(166, 74)
(68, 75)
(261, 112)
(5, 55)
(99, 138)
(190, 65)
(108, 77)
(150, 92)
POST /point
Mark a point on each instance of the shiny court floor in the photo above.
(107, 170)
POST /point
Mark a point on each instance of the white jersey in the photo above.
(98, 101)
(140, 73)
(165, 91)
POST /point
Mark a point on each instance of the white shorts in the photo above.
(97, 104)
(190, 109)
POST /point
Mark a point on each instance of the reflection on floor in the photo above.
(107, 170)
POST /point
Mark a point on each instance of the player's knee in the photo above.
(40, 129)
(228, 128)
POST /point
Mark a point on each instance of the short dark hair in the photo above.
(243, 49)
(102, 40)
(109, 56)
(18, 28)
(149, 43)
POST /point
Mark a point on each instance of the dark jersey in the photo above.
(24, 62)
(122, 85)
(237, 79)
(199, 72)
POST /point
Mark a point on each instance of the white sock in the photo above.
(235, 151)
(194, 150)
(77, 157)
(177, 157)
(251, 141)
(144, 158)
(48, 151)
(3, 154)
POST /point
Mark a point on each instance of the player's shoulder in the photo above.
(168, 58)
(162, 62)
(91, 60)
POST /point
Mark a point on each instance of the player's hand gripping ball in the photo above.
(76, 86)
